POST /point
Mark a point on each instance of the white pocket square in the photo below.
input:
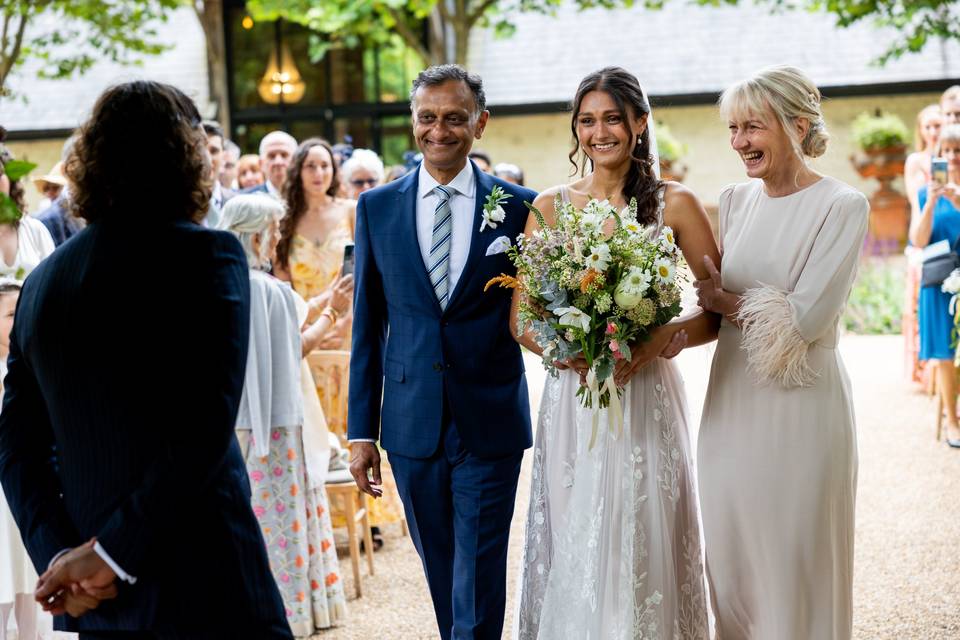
(500, 245)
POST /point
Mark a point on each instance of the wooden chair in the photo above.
(349, 500)
(331, 374)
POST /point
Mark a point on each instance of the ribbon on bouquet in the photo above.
(614, 410)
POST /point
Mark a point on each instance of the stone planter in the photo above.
(889, 209)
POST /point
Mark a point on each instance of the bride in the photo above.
(612, 545)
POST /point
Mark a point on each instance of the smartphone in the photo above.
(348, 261)
(938, 170)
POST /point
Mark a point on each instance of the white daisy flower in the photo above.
(599, 257)
(665, 270)
(667, 240)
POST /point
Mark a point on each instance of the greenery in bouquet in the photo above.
(593, 283)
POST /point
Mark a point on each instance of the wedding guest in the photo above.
(24, 242)
(939, 219)
(50, 185)
(133, 470)
(950, 105)
(361, 172)
(509, 172)
(249, 174)
(396, 172)
(313, 234)
(916, 174)
(281, 428)
(778, 448)
(276, 150)
(228, 172)
(220, 195)
(59, 218)
(482, 159)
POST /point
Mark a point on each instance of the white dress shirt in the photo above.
(462, 204)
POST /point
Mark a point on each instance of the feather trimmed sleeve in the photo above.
(779, 326)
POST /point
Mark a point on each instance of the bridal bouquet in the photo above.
(593, 283)
(951, 285)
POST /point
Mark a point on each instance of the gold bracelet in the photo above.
(329, 312)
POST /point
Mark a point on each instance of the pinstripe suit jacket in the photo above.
(464, 354)
(127, 359)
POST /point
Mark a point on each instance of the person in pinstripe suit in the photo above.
(455, 416)
(127, 359)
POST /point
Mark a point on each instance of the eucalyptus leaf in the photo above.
(16, 169)
(9, 211)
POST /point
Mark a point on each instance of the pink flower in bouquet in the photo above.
(611, 329)
(614, 346)
(617, 355)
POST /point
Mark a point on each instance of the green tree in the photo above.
(917, 22)
(75, 34)
(438, 31)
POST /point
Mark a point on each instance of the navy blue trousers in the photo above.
(458, 510)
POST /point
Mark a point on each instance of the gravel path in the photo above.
(907, 578)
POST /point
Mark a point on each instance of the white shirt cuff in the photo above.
(360, 440)
(123, 575)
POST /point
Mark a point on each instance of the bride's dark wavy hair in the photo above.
(641, 182)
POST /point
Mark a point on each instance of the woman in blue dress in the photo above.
(939, 219)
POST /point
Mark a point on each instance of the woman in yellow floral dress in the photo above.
(313, 234)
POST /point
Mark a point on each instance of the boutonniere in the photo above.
(493, 213)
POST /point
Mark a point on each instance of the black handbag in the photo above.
(935, 270)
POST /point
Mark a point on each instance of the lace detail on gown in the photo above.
(612, 548)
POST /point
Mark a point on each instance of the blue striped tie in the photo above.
(439, 266)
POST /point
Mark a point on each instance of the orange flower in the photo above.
(319, 511)
(503, 280)
(267, 530)
(299, 561)
(324, 545)
(310, 550)
(294, 490)
(296, 526)
(332, 579)
(587, 279)
(265, 495)
(301, 596)
(291, 454)
(314, 585)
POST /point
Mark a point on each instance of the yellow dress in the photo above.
(313, 266)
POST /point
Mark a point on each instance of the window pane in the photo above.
(247, 136)
(397, 138)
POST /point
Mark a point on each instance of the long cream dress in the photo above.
(777, 449)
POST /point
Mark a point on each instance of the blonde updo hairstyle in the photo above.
(785, 93)
(248, 216)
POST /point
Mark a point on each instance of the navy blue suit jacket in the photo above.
(58, 221)
(417, 354)
(127, 358)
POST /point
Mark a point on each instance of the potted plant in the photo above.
(882, 139)
(670, 150)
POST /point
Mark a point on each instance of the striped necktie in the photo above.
(440, 245)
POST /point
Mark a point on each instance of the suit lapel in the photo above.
(484, 187)
(407, 205)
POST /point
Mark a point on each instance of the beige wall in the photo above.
(45, 153)
(540, 143)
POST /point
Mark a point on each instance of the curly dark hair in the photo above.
(641, 183)
(295, 198)
(170, 179)
(17, 193)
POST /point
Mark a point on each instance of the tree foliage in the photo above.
(68, 37)
(438, 31)
(916, 22)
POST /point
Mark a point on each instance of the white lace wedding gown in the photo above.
(612, 548)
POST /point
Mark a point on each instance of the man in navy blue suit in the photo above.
(127, 359)
(455, 417)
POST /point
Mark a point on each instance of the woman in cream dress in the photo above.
(777, 449)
